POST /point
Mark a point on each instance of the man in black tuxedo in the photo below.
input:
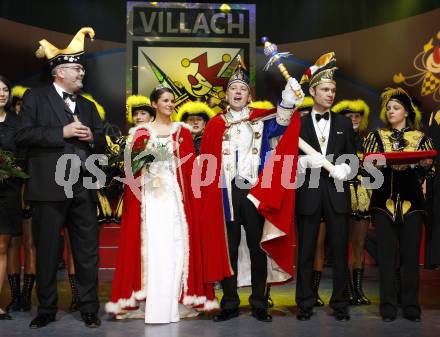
(55, 121)
(323, 195)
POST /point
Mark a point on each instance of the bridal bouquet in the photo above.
(158, 152)
(8, 166)
(140, 155)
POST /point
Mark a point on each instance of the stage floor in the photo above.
(365, 320)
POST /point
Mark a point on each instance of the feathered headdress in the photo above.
(98, 106)
(306, 104)
(261, 105)
(18, 91)
(136, 102)
(357, 105)
(321, 72)
(195, 109)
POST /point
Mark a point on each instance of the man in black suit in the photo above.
(323, 195)
(55, 121)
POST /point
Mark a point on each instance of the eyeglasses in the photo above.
(76, 68)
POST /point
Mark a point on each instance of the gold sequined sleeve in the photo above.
(370, 143)
(426, 144)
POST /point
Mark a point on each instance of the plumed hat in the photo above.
(321, 72)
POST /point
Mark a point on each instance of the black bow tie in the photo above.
(326, 116)
(72, 97)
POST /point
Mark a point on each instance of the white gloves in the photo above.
(341, 172)
(310, 161)
(288, 95)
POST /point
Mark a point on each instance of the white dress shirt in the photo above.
(241, 141)
(322, 129)
(71, 104)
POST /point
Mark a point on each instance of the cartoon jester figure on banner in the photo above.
(427, 62)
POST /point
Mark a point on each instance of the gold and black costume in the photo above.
(398, 213)
(360, 196)
(401, 192)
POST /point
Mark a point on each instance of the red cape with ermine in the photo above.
(127, 282)
(276, 203)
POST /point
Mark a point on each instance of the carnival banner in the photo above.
(190, 47)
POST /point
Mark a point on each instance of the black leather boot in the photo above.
(14, 285)
(269, 299)
(358, 292)
(352, 296)
(75, 294)
(26, 292)
(316, 279)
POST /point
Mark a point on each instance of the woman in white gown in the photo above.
(159, 257)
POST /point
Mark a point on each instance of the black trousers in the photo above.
(337, 236)
(402, 240)
(79, 215)
(246, 215)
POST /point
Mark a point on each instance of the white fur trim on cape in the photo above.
(117, 307)
(147, 126)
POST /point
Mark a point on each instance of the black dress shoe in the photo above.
(412, 313)
(341, 315)
(388, 318)
(5, 316)
(91, 319)
(388, 313)
(304, 315)
(261, 315)
(41, 320)
(225, 315)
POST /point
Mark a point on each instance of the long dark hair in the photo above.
(8, 84)
(158, 92)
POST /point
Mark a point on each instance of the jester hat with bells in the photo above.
(358, 106)
(401, 96)
(73, 53)
(320, 72)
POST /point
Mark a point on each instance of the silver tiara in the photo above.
(162, 86)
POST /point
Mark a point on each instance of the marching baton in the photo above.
(271, 51)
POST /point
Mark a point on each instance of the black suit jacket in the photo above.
(40, 131)
(341, 141)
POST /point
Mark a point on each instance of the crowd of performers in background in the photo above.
(386, 222)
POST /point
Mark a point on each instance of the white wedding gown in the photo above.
(164, 239)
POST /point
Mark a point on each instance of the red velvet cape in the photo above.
(127, 278)
(276, 203)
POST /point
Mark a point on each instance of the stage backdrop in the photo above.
(191, 48)
(376, 46)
